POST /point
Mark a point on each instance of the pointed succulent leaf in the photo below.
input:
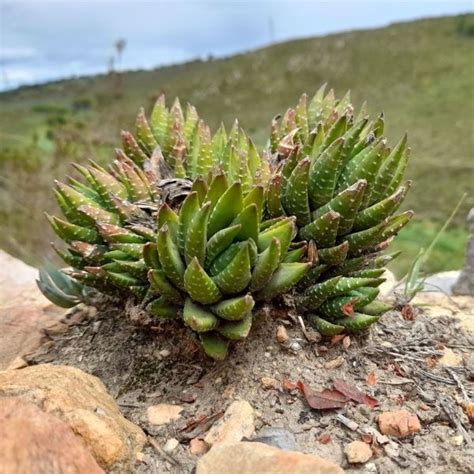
(267, 262)
(325, 327)
(236, 275)
(145, 137)
(198, 318)
(162, 285)
(388, 170)
(219, 242)
(311, 276)
(337, 130)
(214, 345)
(56, 296)
(159, 120)
(216, 189)
(70, 232)
(161, 308)
(356, 323)
(296, 254)
(199, 284)
(170, 258)
(234, 309)
(273, 198)
(95, 214)
(256, 196)
(132, 149)
(196, 235)
(323, 230)
(150, 255)
(346, 204)
(334, 255)
(296, 201)
(376, 213)
(283, 230)
(316, 294)
(285, 277)
(323, 174)
(188, 210)
(236, 330)
(226, 209)
(248, 220)
(376, 308)
(338, 307)
(123, 279)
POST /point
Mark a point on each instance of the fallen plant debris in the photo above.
(353, 393)
(196, 428)
(336, 398)
(325, 400)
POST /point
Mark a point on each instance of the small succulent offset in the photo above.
(206, 229)
(336, 174)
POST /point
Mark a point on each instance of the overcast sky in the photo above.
(44, 40)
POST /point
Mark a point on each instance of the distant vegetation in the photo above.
(420, 73)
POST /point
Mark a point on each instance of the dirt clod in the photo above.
(358, 452)
(282, 335)
(399, 423)
(163, 413)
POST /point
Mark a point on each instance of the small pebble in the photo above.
(170, 445)
(270, 383)
(282, 335)
(369, 468)
(96, 326)
(358, 452)
(457, 440)
(295, 346)
(164, 353)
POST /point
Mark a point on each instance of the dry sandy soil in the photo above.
(397, 362)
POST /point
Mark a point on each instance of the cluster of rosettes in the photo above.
(206, 229)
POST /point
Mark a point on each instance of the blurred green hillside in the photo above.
(421, 74)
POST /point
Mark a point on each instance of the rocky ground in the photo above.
(402, 403)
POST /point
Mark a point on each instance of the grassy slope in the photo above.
(420, 74)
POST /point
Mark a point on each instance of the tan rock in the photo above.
(438, 304)
(358, 452)
(253, 458)
(450, 358)
(399, 423)
(237, 422)
(17, 363)
(22, 331)
(32, 441)
(17, 283)
(387, 287)
(282, 335)
(24, 312)
(270, 383)
(198, 446)
(162, 413)
(469, 410)
(82, 402)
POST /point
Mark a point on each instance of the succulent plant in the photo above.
(207, 259)
(205, 229)
(334, 172)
